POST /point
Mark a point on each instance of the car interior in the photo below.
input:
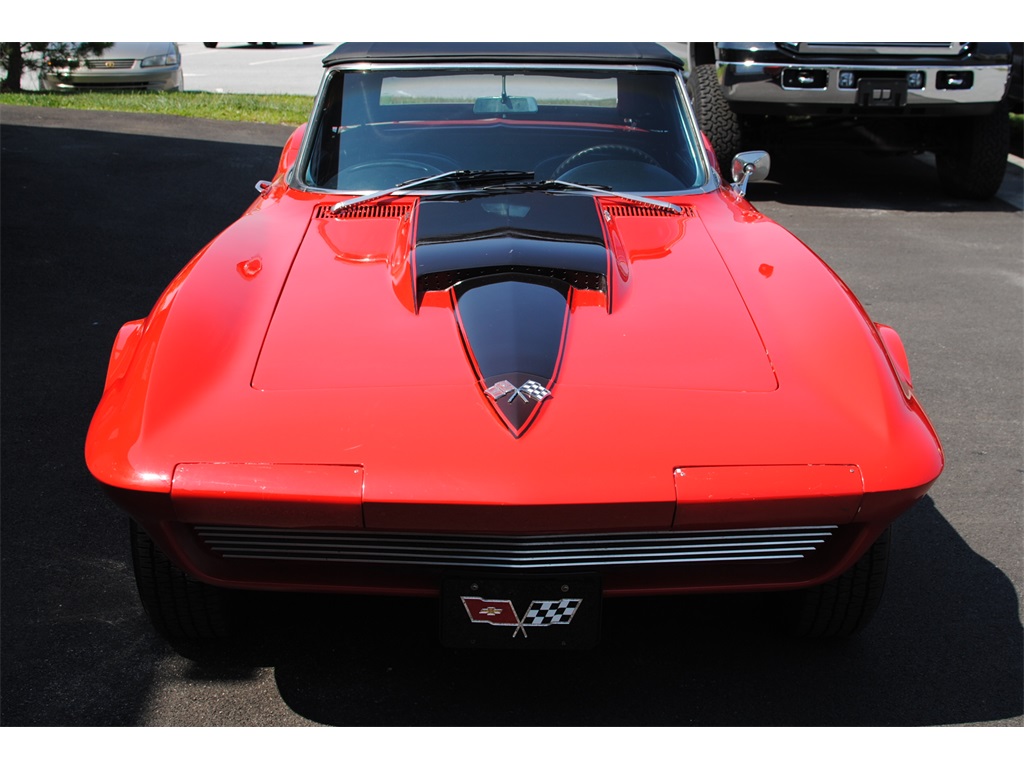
(378, 129)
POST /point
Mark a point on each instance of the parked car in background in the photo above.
(121, 67)
(946, 98)
(265, 45)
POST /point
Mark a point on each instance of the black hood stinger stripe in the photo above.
(512, 262)
(532, 233)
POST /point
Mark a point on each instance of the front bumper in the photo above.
(817, 88)
(310, 548)
(416, 564)
(135, 79)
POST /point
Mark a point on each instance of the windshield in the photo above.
(625, 130)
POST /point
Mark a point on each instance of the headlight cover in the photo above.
(165, 60)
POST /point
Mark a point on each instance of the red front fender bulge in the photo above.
(291, 151)
(893, 345)
(124, 347)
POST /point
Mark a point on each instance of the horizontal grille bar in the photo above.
(517, 552)
(879, 49)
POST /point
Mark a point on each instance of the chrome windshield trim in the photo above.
(712, 179)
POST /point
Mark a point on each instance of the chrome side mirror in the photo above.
(747, 167)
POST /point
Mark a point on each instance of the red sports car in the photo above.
(498, 334)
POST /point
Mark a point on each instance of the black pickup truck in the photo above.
(946, 98)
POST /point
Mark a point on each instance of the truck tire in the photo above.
(971, 159)
(180, 607)
(714, 116)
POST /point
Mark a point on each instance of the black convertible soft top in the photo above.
(557, 53)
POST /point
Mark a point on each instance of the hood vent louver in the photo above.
(363, 212)
(580, 280)
(629, 209)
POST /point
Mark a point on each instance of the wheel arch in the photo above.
(701, 53)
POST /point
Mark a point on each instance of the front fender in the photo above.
(125, 343)
(896, 352)
(201, 340)
(290, 153)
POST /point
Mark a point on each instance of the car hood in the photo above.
(135, 50)
(513, 349)
(511, 288)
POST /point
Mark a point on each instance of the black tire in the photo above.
(210, 45)
(843, 606)
(972, 157)
(714, 116)
(180, 607)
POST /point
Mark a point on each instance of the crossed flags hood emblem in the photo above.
(516, 405)
(531, 390)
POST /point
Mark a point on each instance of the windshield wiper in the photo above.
(505, 180)
(476, 176)
(602, 192)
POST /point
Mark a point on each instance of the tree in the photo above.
(17, 58)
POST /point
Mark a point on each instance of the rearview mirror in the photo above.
(489, 105)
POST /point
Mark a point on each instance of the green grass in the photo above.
(241, 107)
(251, 108)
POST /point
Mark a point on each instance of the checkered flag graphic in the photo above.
(535, 390)
(546, 613)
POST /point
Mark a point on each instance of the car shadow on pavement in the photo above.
(945, 648)
(849, 176)
(95, 223)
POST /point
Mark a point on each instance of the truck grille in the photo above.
(516, 552)
(879, 49)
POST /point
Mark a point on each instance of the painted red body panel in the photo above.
(288, 378)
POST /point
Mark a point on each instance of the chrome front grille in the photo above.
(514, 552)
(109, 63)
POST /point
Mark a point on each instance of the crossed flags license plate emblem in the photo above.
(559, 611)
(541, 613)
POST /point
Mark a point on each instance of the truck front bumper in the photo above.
(809, 89)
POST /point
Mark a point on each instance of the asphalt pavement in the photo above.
(100, 211)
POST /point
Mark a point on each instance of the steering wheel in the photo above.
(599, 150)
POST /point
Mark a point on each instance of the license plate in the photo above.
(557, 612)
(881, 92)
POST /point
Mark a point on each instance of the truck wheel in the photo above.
(845, 605)
(714, 116)
(180, 607)
(972, 157)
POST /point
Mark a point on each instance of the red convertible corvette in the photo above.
(497, 333)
